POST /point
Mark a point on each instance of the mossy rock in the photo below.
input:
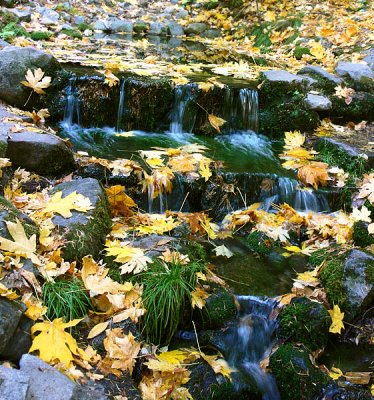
(40, 35)
(306, 322)
(296, 376)
(13, 30)
(84, 233)
(196, 252)
(259, 243)
(219, 308)
(72, 33)
(360, 235)
(7, 18)
(348, 281)
(140, 27)
(300, 51)
(9, 213)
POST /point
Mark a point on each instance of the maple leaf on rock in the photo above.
(63, 206)
(22, 246)
(54, 344)
(37, 81)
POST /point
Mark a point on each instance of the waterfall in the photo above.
(240, 109)
(121, 106)
(287, 190)
(72, 109)
(183, 114)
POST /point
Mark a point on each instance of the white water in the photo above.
(72, 109)
(121, 106)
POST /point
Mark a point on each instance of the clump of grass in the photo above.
(66, 298)
(12, 31)
(73, 33)
(39, 35)
(166, 297)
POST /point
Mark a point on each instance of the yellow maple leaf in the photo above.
(335, 373)
(54, 344)
(4, 162)
(216, 122)
(37, 81)
(314, 174)
(337, 320)
(219, 365)
(293, 139)
(317, 51)
(63, 206)
(7, 293)
(119, 201)
(22, 246)
(198, 298)
(205, 171)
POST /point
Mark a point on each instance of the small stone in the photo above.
(44, 154)
(321, 72)
(182, 13)
(14, 384)
(10, 315)
(317, 102)
(157, 28)
(196, 28)
(282, 76)
(355, 71)
(79, 19)
(118, 25)
(212, 33)
(175, 29)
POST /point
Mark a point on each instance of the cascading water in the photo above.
(183, 114)
(249, 342)
(72, 109)
(121, 106)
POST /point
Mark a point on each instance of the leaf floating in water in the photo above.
(223, 251)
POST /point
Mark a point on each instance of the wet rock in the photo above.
(157, 28)
(10, 315)
(296, 376)
(9, 213)
(47, 383)
(196, 28)
(349, 281)
(14, 384)
(118, 25)
(14, 63)
(175, 29)
(350, 392)
(219, 308)
(320, 72)
(212, 33)
(44, 154)
(354, 70)
(84, 232)
(306, 322)
(317, 102)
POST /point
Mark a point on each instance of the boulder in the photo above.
(313, 69)
(211, 34)
(10, 315)
(119, 25)
(84, 233)
(317, 102)
(369, 58)
(281, 76)
(23, 14)
(157, 28)
(175, 29)
(44, 154)
(14, 63)
(47, 383)
(296, 376)
(349, 282)
(79, 19)
(354, 71)
(14, 384)
(196, 28)
(3, 44)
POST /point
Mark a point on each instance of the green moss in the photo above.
(73, 33)
(259, 243)
(361, 236)
(369, 273)
(297, 377)
(38, 35)
(196, 252)
(361, 108)
(7, 18)
(12, 31)
(88, 239)
(305, 322)
(84, 27)
(332, 280)
(300, 51)
(140, 27)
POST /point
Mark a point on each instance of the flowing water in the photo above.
(72, 109)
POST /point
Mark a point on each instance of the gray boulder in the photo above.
(44, 154)
(317, 102)
(157, 28)
(321, 72)
(3, 43)
(79, 19)
(10, 315)
(14, 63)
(196, 28)
(23, 14)
(48, 16)
(118, 25)
(369, 58)
(212, 34)
(354, 70)
(281, 76)
(175, 29)
(14, 385)
(84, 233)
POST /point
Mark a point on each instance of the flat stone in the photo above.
(44, 154)
(84, 232)
(355, 71)
(321, 72)
(317, 102)
(10, 315)
(14, 63)
(285, 77)
(175, 29)
(196, 28)
(14, 384)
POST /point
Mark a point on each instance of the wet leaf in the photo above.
(337, 320)
(216, 122)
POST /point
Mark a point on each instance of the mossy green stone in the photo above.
(361, 236)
